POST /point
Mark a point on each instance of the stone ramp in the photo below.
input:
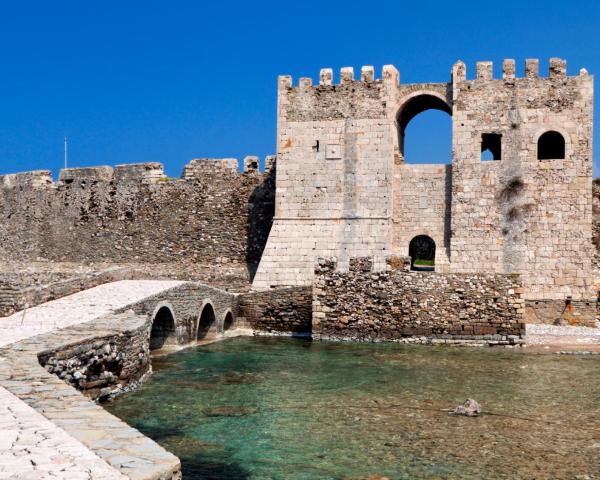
(78, 308)
(33, 445)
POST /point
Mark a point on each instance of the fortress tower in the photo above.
(343, 189)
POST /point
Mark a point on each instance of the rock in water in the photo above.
(470, 408)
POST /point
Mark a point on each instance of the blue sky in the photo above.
(132, 81)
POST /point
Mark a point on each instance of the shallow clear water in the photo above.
(280, 408)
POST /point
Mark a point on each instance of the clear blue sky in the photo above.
(133, 81)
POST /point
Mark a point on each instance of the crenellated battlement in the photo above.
(557, 71)
(389, 73)
(136, 173)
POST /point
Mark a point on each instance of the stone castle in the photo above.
(344, 190)
(338, 238)
(339, 187)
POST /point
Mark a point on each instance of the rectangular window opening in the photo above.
(491, 146)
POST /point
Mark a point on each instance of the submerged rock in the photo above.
(470, 408)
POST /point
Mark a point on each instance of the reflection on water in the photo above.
(276, 408)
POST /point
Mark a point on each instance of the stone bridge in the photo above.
(186, 313)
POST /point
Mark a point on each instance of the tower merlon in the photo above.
(367, 73)
(33, 179)
(284, 82)
(509, 69)
(532, 68)
(459, 72)
(484, 70)
(326, 76)
(251, 163)
(305, 82)
(390, 74)
(558, 68)
(346, 75)
(203, 168)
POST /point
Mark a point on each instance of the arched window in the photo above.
(422, 253)
(206, 322)
(425, 130)
(551, 146)
(163, 328)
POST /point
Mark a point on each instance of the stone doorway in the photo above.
(422, 253)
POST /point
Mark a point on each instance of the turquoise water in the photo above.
(281, 408)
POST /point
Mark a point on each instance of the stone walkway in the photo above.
(31, 446)
(78, 308)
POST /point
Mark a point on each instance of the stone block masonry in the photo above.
(278, 311)
(343, 188)
(395, 304)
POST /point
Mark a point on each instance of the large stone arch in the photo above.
(414, 103)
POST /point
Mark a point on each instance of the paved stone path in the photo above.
(32, 447)
(78, 308)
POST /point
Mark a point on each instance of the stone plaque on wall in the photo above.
(333, 152)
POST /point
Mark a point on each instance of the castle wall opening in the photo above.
(551, 146)
(416, 120)
(206, 322)
(163, 328)
(491, 146)
(422, 253)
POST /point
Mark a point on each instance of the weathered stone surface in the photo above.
(212, 216)
(390, 305)
(344, 190)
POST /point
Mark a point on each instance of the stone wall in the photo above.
(104, 366)
(343, 189)
(333, 197)
(214, 215)
(521, 214)
(392, 305)
(596, 226)
(279, 310)
(422, 206)
(583, 313)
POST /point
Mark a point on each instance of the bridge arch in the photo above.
(206, 326)
(164, 326)
(228, 320)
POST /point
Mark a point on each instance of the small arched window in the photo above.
(551, 146)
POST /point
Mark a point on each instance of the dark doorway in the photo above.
(228, 322)
(163, 328)
(551, 146)
(207, 320)
(422, 253)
